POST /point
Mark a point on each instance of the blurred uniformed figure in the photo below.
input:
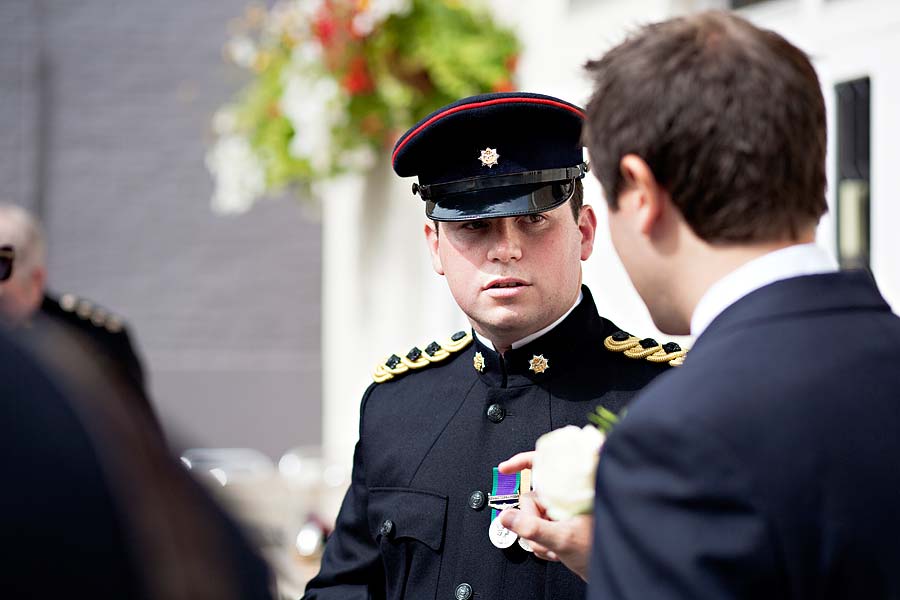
(500, 176)
(24, 302)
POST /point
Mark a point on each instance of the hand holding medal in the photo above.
(556, 522)
(505, 496)
(508, 491)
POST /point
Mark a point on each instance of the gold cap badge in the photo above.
(489, 157)
(538, 363)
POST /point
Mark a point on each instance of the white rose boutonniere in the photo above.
(565, 465)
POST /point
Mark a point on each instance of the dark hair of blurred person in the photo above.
(93, 504)
(726, 143)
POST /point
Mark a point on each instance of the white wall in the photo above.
(380, 294)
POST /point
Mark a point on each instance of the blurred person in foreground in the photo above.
(500, 175)
(768, 466)
(25, 302)
(93, 505)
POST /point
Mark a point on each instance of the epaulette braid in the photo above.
(420, 357)
(645, 349)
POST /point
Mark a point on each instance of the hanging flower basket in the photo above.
(335, 82)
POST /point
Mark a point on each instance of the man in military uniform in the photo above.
(24, 302)
(500, 175)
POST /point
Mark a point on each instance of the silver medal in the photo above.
(523, 543)
(500, 536)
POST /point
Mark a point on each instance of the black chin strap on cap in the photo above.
(477, 184)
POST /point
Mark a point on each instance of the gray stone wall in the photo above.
(105, 109)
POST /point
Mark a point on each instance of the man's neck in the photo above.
(796, 260)
(720, 261)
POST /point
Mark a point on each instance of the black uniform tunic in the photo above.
(106, 340)
(413, 524)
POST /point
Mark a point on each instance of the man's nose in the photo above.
(506, 244)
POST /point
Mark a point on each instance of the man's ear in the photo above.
(36, 282)
(644, 196)
(587, 225)
(433, 240)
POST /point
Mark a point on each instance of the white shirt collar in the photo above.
(536, 334)
(793, 261)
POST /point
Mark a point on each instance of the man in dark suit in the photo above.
(25, 302)
(769, 465)
(501, 178)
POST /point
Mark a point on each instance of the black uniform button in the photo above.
(432, 348)
(458, 336)
(463, 591)
(671, 347)
(495, 413)
(387, 528)
(393, 361)
(476, 500)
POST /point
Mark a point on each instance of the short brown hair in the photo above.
(577, 199)
(729, 117)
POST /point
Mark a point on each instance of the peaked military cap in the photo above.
(494, 155)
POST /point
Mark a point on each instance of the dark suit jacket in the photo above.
(768, 466)
(429, 439)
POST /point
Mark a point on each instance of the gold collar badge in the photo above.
(489, 157)
(538, 363)
(478, 362)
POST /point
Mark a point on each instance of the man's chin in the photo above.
(506, 324)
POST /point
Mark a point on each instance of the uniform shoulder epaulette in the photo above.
(418, 358)
(89, 312)
(646, 349)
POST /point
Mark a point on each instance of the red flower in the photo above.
(357, 80)
(324, 29)
(326, 25)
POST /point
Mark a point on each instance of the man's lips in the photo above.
(505, 283)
